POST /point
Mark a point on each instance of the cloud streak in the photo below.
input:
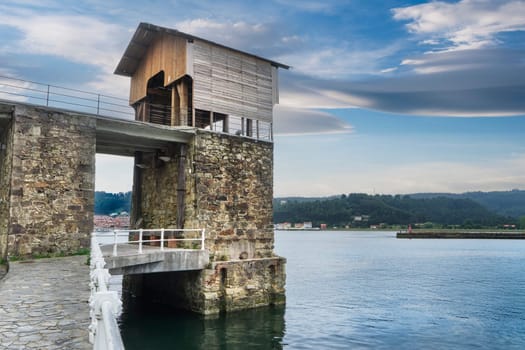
(467, 24)
(452, 177)
(80, 39)
(297, 121)
(458, 83)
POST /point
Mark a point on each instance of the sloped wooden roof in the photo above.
(146, 33)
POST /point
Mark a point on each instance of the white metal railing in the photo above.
(104, 305)
(160, 238)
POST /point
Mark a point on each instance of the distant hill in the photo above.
(362, 210)
(107, 203)
(466, 209)
(506, 203)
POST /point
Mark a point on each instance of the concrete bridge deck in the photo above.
(43, 305)
(152, 259)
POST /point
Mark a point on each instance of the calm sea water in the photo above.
(362, 290)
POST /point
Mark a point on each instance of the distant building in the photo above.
(111, 222)
(283, 226)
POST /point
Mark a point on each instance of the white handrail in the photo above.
(104, 305)
(162, 240)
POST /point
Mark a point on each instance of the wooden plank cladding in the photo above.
(231, 82)
(178, 79)
(165, 53)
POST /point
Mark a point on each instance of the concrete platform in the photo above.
(152, 259)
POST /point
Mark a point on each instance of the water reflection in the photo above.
(154, 326)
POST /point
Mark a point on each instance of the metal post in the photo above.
(161, 239)
(140, 241)
(47, 98)
(202, 238)
(98, 103)
(114, 242)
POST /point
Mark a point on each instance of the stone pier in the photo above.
(204, 180)
(227, 190)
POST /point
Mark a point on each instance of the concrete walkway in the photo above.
(43, 305)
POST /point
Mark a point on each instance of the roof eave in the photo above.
(148, 27)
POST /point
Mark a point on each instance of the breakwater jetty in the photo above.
(44, 304)
(462, 234)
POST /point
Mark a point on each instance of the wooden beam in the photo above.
(174, 106)
(182, 89)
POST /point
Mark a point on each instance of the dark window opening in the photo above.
(211, 120)
(249, 127)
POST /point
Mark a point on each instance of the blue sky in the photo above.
(383, 96)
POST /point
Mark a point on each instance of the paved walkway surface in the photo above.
(43, 305)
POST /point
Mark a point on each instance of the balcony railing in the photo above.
(27, 91)
(62, 97)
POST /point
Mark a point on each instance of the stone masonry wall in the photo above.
(159, 192)
(232, 181)
(6, 140)
(225, 286)
(229, 192)
(52, 184)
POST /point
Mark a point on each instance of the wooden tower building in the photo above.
(221, 180)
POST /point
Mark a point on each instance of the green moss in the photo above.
(15, 258)
(80, 251)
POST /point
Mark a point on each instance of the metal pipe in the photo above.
(140, 241)
(161, 239)
(114, 243)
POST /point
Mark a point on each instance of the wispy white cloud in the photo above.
(458, 83)
(300, 91)
(296, 121)
(389, 70)
(311, 5)
(453, 177)
(114, 173)
(78, 38)
(262, 38)
(308, 56)
(467, 24)
(82, 39)
(339, 62)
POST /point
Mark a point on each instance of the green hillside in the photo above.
(362, 210)
(506, 203)
(108, 203)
